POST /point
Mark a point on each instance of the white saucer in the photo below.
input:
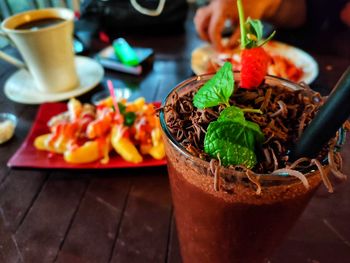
(20, 87)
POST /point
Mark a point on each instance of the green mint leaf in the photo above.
(217, 90)
(232, 113)
(255, 27)
(255, 128)
(233, 142)
(129, 118)
(254, 33)
(236, 114)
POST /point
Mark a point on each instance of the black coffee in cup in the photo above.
(40, 23)
(44, 39)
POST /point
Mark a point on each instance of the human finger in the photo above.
(234, 39)
(201, 22)
(216, 26)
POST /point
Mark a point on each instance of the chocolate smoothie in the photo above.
(225, 214)
(234, 226)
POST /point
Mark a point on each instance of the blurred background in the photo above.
(9, 7)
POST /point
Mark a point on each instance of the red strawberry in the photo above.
(254, 59)
(254, 63)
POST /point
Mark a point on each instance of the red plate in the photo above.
(28, 156)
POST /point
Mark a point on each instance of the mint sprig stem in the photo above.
(261, 43)
(241, 23)
(252, 111)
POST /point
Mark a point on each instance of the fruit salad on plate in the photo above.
(86, 133)
(277, 64)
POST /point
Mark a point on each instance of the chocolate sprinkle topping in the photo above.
(286, 113)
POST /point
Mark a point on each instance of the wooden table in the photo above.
(125, 215)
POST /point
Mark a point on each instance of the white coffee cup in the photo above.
(44, 37)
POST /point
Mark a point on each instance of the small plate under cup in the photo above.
(20, 87)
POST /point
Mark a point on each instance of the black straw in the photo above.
(327, 121)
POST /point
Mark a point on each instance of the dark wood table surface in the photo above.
(125, 215)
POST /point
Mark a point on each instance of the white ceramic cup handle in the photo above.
(8, 58)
